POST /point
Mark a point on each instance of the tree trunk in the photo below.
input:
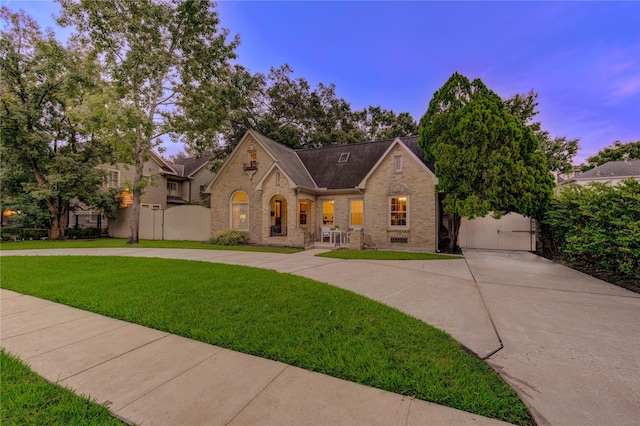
(58, 219)
(136, 192)
(455, 228)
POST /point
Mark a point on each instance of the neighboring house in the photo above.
(175, 183)
(610, 173)
(377, 193)
(179, 182)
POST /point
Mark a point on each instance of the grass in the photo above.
(384, 255)
(277, 316)
(122, 243)
(28, 399)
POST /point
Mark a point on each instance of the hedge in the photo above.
(26, 234)
(599, 225)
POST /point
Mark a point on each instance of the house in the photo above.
(378, 193)
(610, 173)
(179, 182)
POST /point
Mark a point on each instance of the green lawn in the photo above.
(384, 255)
(122, 243)
(277, 316)
(27, 399)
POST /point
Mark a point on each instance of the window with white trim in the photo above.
(327, 212)
(303, 210)
(113, 179)
(356, 213)
(398, 211)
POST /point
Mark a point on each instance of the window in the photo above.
(303, 209)
(113, 179)
(344, 157)
(172, 188)
(253, 160)
(151, 206)
(240, 211)
(397, 160)
(356, 216)
(398, 211)
(327, 212)
(277, 178)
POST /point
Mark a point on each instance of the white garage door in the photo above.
(511, 232)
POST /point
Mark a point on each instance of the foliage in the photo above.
(229, 237)
(558, 151)
(166, 62)
(28, 399)
(29, 234)
(48, 159)
(600, 225)
(486, 160)
(617, 152)
(23, 234)
(289, 110)
(377, 123)
(84, 233)
(277, 316)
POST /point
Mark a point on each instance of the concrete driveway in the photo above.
(567, 342)
(571, 342)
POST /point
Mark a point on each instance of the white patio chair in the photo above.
(326, 233)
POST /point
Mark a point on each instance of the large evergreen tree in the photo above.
(48, 159)
(167, 62)
(486, 159)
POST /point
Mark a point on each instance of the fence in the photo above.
(187, 223)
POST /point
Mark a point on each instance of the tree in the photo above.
(48, 159)
(559, 151)
(167, 63)
(377, 123)
(486, 160)
(616, 152)
(290, 111)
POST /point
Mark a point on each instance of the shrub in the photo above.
(22, 234)
(599, 225)
(86, 233)
(229, 237)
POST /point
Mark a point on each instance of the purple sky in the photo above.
(583, 58)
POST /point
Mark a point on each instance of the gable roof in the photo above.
(612, 170)
(187, 167)
(331, 167)
(328, 171)
(287, 160)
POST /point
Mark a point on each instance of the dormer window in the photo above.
(344, 157)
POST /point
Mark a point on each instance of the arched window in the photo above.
(240, 211)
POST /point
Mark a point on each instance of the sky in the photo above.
(582, 58)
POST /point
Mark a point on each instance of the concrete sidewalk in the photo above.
(154, 378)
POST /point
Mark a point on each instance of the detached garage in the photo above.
(512, 231)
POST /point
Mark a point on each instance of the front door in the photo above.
(279, 216)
